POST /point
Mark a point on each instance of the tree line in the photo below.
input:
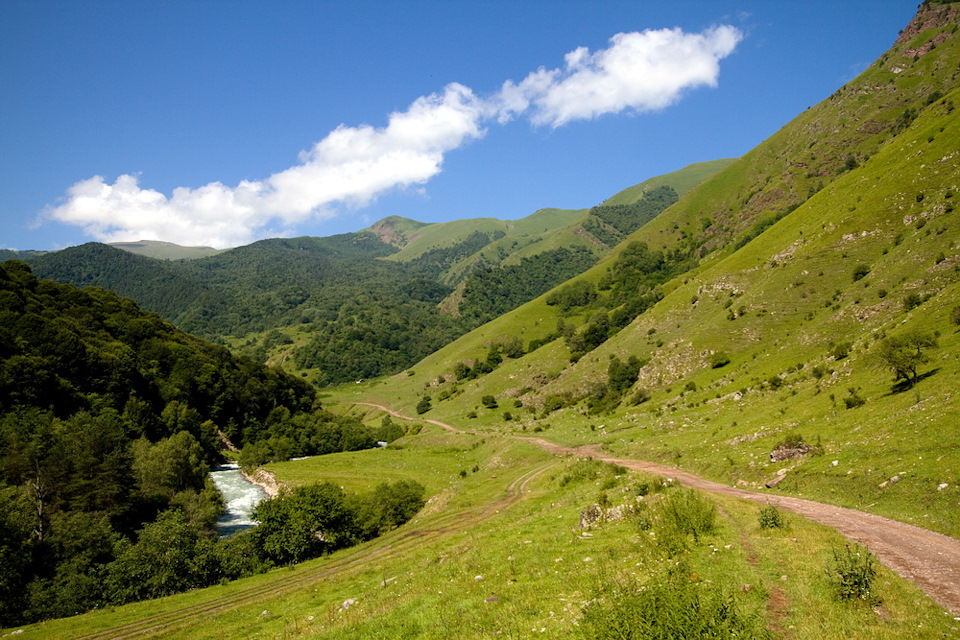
(110, 419)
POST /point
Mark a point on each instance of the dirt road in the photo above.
(928, 559)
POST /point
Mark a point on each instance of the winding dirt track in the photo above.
(928, 559)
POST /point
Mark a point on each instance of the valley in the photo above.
(727, 395)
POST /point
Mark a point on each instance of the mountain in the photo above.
(363, 304)
(769, 303)
(165, 250)
(790, 325)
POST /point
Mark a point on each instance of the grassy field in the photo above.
(500, 552)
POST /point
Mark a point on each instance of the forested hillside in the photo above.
(110, 419)
(349, 307)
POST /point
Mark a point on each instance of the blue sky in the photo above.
(218, 123)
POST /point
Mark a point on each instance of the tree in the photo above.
(424, 405)
(313, 520)
(174, 464)
(904, 353)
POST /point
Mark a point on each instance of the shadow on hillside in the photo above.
(904, 385)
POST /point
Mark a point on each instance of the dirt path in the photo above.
(928, 559)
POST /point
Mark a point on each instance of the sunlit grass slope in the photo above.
(843, 253)
(499, 551)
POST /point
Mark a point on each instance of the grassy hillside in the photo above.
(500, 551)
(797, 290)
(682, 181)
(773, 296)
(165, 250)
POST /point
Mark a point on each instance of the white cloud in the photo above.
(352, 166)
(639, 71)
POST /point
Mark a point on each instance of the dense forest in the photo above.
(612, 223)
(110, 419)
(363, 316)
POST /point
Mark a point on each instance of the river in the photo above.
(240, 496)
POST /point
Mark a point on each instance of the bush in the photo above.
(955, 315)
(840, 350)
(668, 606)
(688, 513)
(853, 400)
(489, 402)
(912, 301)
(854, 569)
(424, 405)
(719, 359)
(640, 396)
(771, 518)
(860, 272)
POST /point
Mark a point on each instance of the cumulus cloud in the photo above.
(353, 165)
(639, 71)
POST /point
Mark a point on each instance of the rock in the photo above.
(349, 602)
(264, 613)
(942, 486)
(775, 481)
(834, 463)
(788, 452)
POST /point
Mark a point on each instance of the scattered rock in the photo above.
(942, 486)
(790, 451)
(349, 602)
(775, 481)
(264, 613)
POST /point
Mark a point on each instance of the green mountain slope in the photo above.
(165, 250)
(356, 305)
(808, 264)
(746, 333)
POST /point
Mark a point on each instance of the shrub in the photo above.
(489, 402)
(771, 518)
(640, 396)
(688, 513)
(719, 359)
(854, 569)
(860, 272)
(955, 315)
(840, 350)
(854, 399)
(912, 301)
(671, 605)
(424, 405)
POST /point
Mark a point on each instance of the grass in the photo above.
(486, 559)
